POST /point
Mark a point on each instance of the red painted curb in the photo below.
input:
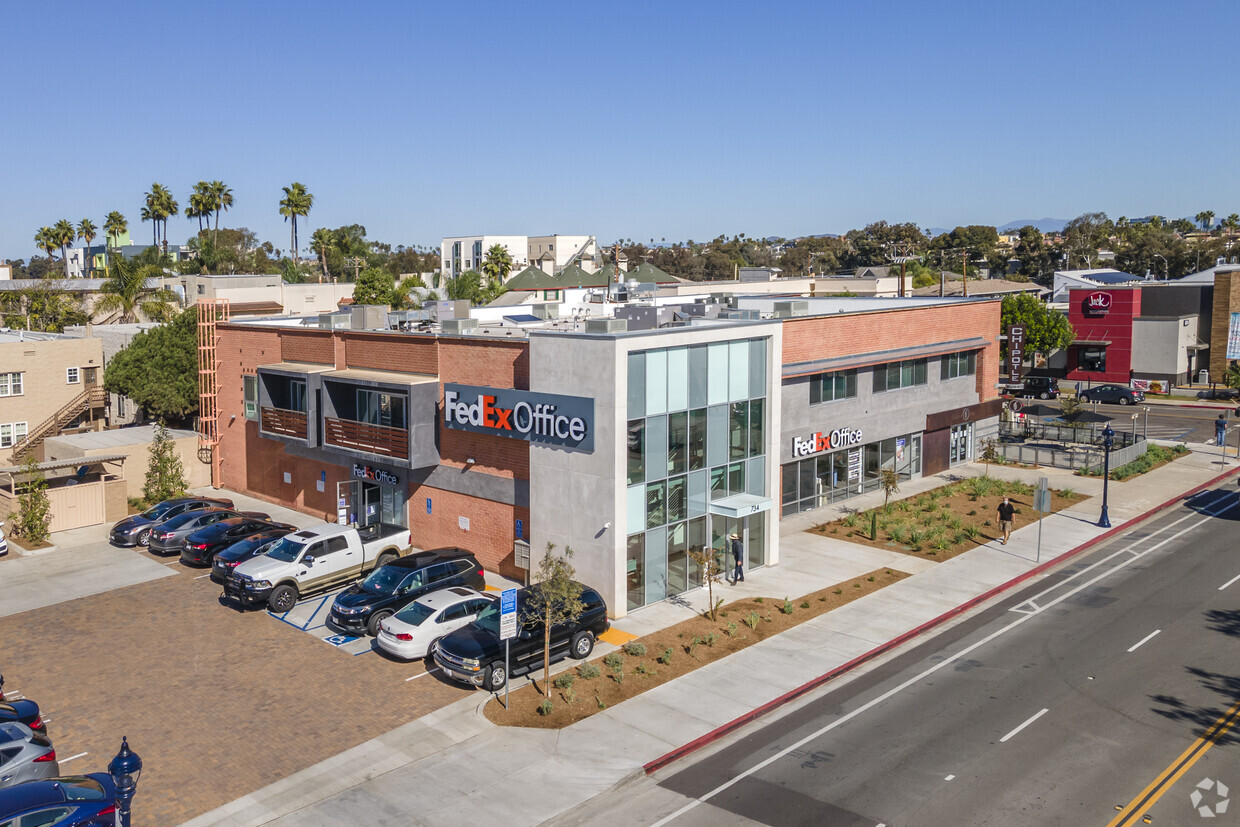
(736, 723)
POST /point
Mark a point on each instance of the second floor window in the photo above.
(297, 395)
(10, 384)
(250, 393)
(895, 375)
(72, 376)
(959, 364)
(378, 408)
(828, 387)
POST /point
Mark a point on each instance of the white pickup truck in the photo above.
(314, 560)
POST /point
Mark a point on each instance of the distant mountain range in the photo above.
(1044, 225)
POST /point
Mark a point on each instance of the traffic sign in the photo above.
(507, 614)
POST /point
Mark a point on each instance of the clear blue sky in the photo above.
(660, 119)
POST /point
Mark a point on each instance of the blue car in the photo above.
(68, 801)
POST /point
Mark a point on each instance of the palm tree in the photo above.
(498, 264)
(127, 291)
(65, 233)
(320, 241)
(160, 206)
(1232, 223)
(201, 203)
(1206, 219)
(148, 214)
(297, 201)
(46, 239)
(86, 232)
(221, 200)
(114, 226)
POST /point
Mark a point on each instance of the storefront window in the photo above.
(677, 558)
(817, 481)
(1094, 359)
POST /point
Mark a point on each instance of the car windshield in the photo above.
(158, 510)
(489, 618)
(415, 613)
(385, 580)
(285, 550)
(81, 788)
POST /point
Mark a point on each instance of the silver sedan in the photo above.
(25, 755)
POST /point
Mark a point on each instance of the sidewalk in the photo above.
(420, 772)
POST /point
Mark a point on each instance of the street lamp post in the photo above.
(125, 769)
(1166, 269)
(1108, 440)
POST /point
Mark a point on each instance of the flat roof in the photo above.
(390, 377)
(70, 462)
(297, 367)
(116, 438)
(9, 336)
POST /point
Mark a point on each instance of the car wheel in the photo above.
(384, 558)
(372, 626)
(495, 678)
(583, 645)
(1084, 398)
(282, 599)
(430, 650)
(1123, 400)
(144, 538)
(1044, 395)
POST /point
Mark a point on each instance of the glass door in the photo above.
(346, 499)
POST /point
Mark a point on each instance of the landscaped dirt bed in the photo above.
(945, 521)
(670, 653)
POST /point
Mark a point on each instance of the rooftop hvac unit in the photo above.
(457, 327)
(784, 310)
(606, 325)
(336, 321)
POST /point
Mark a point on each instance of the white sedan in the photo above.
(412, 632)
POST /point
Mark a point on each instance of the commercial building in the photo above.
(630, 439)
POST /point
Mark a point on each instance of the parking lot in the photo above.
(218, 702)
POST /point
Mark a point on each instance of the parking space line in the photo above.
(64, 761)
(317, 609)
(421, 675)
(199, 577)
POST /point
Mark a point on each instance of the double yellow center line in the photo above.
(1167, 778)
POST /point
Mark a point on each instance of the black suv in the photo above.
(1042, 387)
(475, 654)
(363, 606)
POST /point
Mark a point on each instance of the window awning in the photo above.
(879, 357)
(1092, 342)
(740, 505)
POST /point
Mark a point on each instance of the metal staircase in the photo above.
(93, 397)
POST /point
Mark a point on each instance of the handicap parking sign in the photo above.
(339, 640)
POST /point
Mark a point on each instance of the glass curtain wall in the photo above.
(696, 433)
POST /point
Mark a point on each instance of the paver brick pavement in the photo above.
(218, 703)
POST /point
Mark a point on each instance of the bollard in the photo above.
(874, 526)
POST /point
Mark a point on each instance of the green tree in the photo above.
(159, 369)
(114, 226)
(165, 474)
(374, 286)
(1206, 219)
(34, 510)
(128, 290)
(711, 571)
(1231, 223)
(1232, 377)
(44, 308)
(297, 202)
(1084, 236)
(403, 297)
(64, 233)
(498, 263)
(1035, 256)
(200, 204)
(465, 286)
(552, 599)
(221, 200)
(160, 206)
(889, 480)
(321, 241)
(1046, 330)
(46, 239)
(87, 232)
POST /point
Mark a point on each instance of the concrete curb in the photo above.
(736, 723)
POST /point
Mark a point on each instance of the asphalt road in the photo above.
(1164, 421)
(1101, 694)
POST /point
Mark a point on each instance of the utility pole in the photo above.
(964, 283)
(356, 262)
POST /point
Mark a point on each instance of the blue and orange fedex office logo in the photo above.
(566, 421)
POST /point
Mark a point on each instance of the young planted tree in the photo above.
(890, 481)
(708, 566)
(165, 474)
(34, 510)
(990, 453)
(554, 597)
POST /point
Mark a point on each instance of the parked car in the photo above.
(135, 530)
(65, 801)
(229, 558)
(201, 547)
(169, 536)
(1223, 394)
(314, 560)
(1122, 394)
(413, 632)
(22, 712)
(4, 544)
(25, 755)
(1039, 387)
(475, 653)
(363, 606)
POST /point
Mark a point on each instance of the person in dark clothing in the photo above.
(738, 558)
(1007, 512)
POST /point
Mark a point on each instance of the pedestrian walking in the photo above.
(738, 559)
(1007, 513)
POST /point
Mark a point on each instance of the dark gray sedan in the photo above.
(25, 755)
(1121, 394)
(169, 536)
(135, 530)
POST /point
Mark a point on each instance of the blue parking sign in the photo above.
(520, 530)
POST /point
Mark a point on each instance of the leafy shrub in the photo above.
(730, 631)
(665, 657)
(787, 606)
(570, 696)
(643, 669)
(972, 531)
(710, 639)
(955, 522)
(614, 660)
(752, 619)
(805, 603)
(563, 680)
(587, 671)
(870, 579)
(838, 591)
(851, 520)
(602, 704)
(759, 600)
(635, 649)
(546, 707)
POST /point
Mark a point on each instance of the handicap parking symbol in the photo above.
(339, 640)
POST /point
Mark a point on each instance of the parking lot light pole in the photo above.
(1108, 440)
(125, 770)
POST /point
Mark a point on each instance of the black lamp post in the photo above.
(125, 769)
(1108, 440)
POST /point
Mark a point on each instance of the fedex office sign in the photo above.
(548, 418)
(819, 442)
